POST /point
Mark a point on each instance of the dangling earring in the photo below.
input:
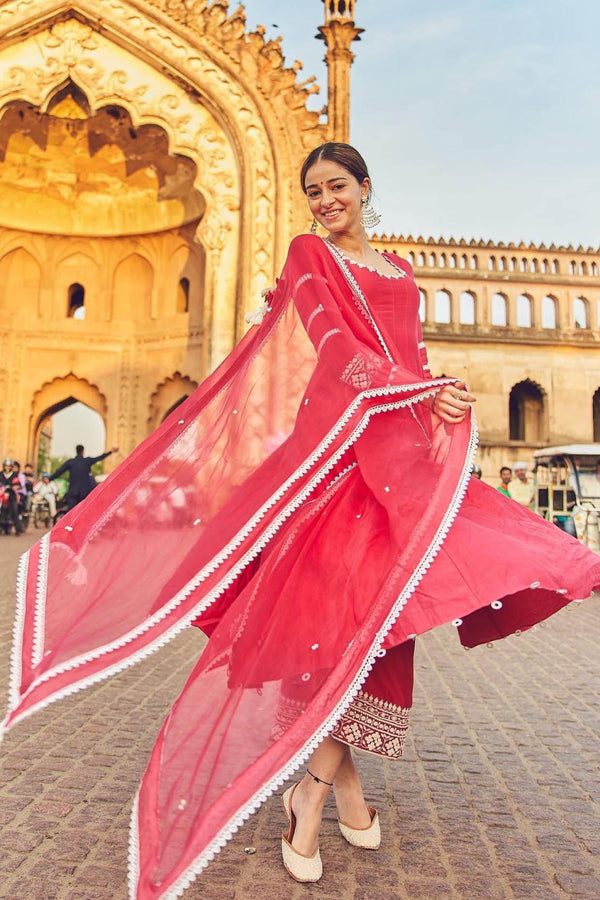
(368, 217)
(314, 226)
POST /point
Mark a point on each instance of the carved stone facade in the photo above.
(149, 157)
(519, 323)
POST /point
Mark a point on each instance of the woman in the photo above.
(330, 517)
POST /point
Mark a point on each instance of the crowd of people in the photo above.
(22, 492)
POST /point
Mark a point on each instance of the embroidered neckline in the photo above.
(400, 273)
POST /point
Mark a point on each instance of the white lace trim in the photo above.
(261, 542)
(39, 617)
(15, 664)
(226, 833)
(340, 259)
(395, 277)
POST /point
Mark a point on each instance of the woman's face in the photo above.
(334, 196)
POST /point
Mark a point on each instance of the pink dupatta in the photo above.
(308, 426)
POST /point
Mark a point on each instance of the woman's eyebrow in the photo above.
(338, 178)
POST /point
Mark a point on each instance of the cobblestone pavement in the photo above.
(498, 795)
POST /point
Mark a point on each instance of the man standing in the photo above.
(81, 480)
(521, 488)
(505, 479)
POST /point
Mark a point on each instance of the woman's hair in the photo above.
(343, 154)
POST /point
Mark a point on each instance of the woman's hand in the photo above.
(452, 403)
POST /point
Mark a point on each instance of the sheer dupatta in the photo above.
(240, 513)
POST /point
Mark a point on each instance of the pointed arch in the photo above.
(20, 280)
(527, 412)
(57, 394)
(167, 396)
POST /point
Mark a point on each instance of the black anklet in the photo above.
(319, 780)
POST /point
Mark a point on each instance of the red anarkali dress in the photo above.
(326, 518)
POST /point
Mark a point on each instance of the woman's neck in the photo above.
(354, 244)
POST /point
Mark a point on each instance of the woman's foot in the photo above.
(350, 802)
(307, 805)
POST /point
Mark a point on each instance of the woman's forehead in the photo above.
(325, 170)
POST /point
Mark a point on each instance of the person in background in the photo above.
(505, 479)
(29, 477)
(521, 487)
(46, 490)
(476, 473)
(81, 481)
(10, 485)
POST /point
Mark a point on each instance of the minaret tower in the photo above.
(339, 32)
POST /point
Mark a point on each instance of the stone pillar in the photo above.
(339, 32)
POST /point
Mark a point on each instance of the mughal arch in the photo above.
(149, 157)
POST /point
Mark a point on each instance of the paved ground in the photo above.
(498, 795)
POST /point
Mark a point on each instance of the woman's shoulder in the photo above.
(307, 243)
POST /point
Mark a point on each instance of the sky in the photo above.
(477, 118)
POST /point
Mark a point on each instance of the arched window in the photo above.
(555, 267)
(499, 307)
(534, 265)
(467, 308)
(422, 305)
(581, 318)
(492, 263)
(183, 295)
(544, 266)
(432, 260)
(421, 259)
(502, 264)
(548, 312)
(526, 412)
(411, 258)
(583, 268)
(524, 311)
(596, 416)
(593, 268)
(463, 261)
(453, 261)
(76, 301)
(443, 262)
(572, 267)
(524, 264)
(442, 307)
(473, 262)
(512, 266)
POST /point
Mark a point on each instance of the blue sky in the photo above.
(479, 118)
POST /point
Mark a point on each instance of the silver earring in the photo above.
(368, 217)
(314, 226)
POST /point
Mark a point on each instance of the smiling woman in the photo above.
(323, 516)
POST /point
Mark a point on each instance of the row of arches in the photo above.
(75, 308)
(528, 413)
(524, 264)
(64, 392)
(579, 316)
(133, 287)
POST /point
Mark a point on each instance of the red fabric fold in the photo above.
(290, 508)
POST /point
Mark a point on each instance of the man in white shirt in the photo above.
(46, 490)
(521, 487)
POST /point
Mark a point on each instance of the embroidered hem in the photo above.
(374, 725)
